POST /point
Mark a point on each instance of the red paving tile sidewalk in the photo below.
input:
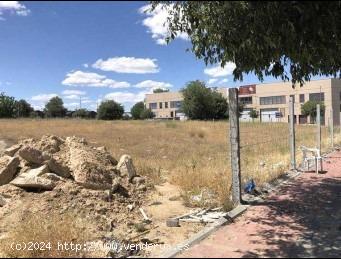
(302, 219)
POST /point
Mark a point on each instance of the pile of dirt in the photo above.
(57, 175)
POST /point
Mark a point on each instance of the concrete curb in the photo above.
(205, 232)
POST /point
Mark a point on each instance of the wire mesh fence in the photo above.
(265, 148)
(264, 151)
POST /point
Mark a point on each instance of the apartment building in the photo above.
(165, 105)
(270, 100)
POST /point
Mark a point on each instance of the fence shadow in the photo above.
(313, 211)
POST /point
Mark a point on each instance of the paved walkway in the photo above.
(303, 219)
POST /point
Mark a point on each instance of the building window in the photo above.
(318, 97)
(293, 97)
(160, 105)
(153, 106)
(302, 98)
(245, 100)
(166, 105)
(175, 104)
(272, 100)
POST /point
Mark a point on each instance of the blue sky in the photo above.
(96, 51)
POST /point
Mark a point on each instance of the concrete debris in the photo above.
(58, 167)
(126, 167)
(56, 175)
(12, 150)
(203, 216)
(32, 182)
(41, 163)
(33, 155)
(2, 201)
(8, 168)
(145, 217)
(173, 222)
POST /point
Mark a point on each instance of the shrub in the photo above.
(136, 110)
(55, 108)
(110, 110)
(7, 106)
(147, 114)
(80, 113)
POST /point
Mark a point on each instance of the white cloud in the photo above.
(72, 97)
(13, 7)
(225, 80)
(86, 65)
(126, 97)
(88, 101)
(38, 101)
(157, 24)
(74, 92)
(79, 78)
(127, 65)
(153, 84)
(218, 71)
(43, 97)
(71, 105)
(212, 81)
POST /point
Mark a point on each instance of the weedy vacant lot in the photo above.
(193, 155)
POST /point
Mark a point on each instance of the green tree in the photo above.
(110, 110)
(80, 113)
(202, 103)
(136, 110)
(160, 90)
(253, 114)
(24, 109)
(198, 101)
(7, 106)
(220, 106)
(309, 109)
(286, 39)
(147, 114)
(55, 108)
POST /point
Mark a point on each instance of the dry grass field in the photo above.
(193, 155)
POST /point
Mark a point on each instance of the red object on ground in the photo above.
(301, 219)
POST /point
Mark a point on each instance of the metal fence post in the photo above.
(331, 125)
(235, 146)
(292, 133)
(318, 123)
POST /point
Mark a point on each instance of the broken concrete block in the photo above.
(172, 223)
(33, 155)
(38, 171)
(8, 168)
(12, 150)
(59, 168)
(126, 167)
(30, 182)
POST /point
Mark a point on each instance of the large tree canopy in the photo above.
(55, 108)
(202, 103)
(262, 37)
(110, 110)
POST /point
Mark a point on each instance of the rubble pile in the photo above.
(57, 175)
(41, 164)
